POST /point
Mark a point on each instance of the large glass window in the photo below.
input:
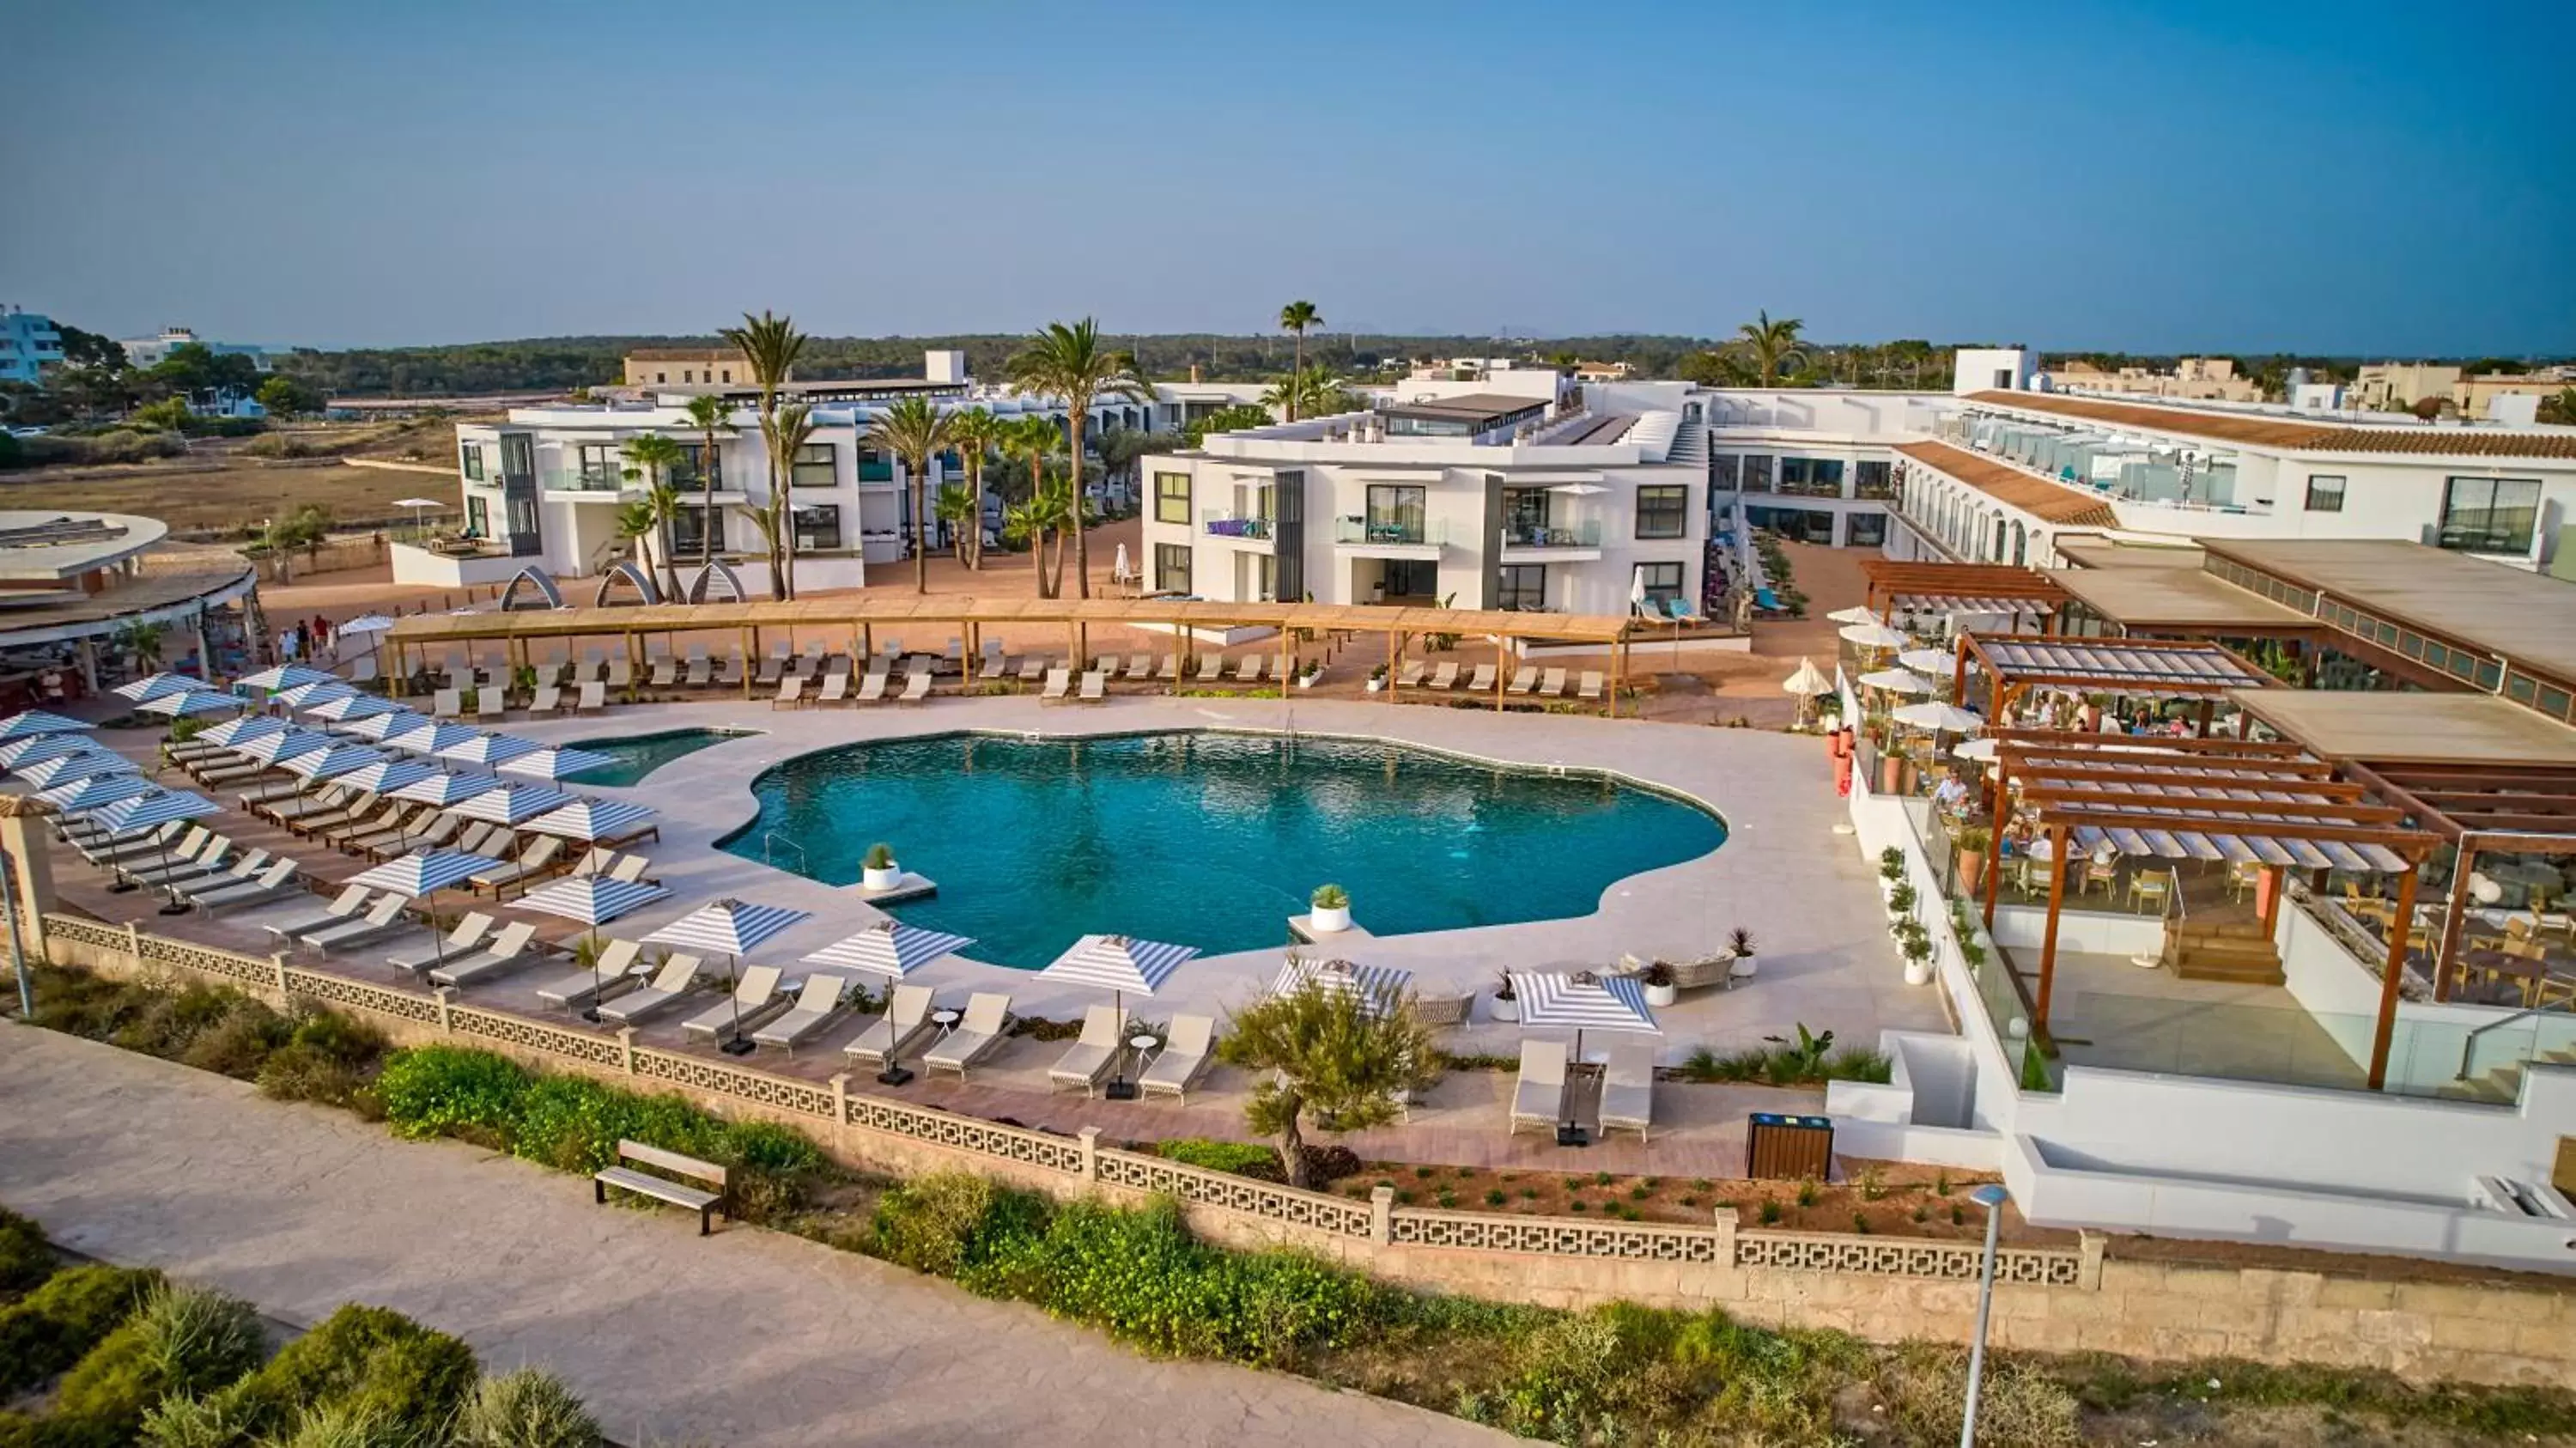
(1523, 585)
(689, 532)
(599, 465)
(1812, 477)
(1757, 472)
(1663, 512)
(1172, 500)
(473, 455)
(1663, 581)
(1395, 513)
(1525, 515)
(2325, 493)
(1172, 566)
(818, 527)
(1865, 530)
(687, 473)
(1723, 472)
(814, 468)
(2490, 515)
(478, 518)
(1873, 480)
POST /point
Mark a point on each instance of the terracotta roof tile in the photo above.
(2282, 432)
(2042, 499)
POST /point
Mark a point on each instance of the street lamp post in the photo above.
(1992, 1198)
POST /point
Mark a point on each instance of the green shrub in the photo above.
(525, 1409)
(927, 1224)
(328, 1058)
(182, 1342)
(25, 1259)
(192, 1423)
(1240, 1158)
(369, 1362)
(449, 1091)
(238, 1042)
(53, 1326)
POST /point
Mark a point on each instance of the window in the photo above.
(814, 468)
(1722, 472)
(2489, 515)
(1757, 472)
(1525, 515)
(599, 465)
(1172, 565)
(818, 527)
(689, 533)
(1812, 477)
(1663, 582)
(875, 467)
(2325, 493)
(473, 456)
(1874, 481)
(1663, 512)
(687, 474)
(1865, 530)
(1523, 585)
(478, 517)
(1172, 501)
(1396, 513)
(685, 376)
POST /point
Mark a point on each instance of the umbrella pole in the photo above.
(597, 984)
(894, 1073)
(1572, 1132)
(737, 1046)
(1120, 1088)
(173, 907)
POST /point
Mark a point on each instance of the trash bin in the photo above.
(1788, 1148)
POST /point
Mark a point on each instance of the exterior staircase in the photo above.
(2234, 951)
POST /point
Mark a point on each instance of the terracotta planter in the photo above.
(1891, 774)
(1972, 869)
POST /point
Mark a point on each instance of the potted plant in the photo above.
(1900, 904)
(1974, 841)
(1507, 1006)
(1915, 944)
(1331, 909)
(878, 871)
(1658, 981)
(1308, 672)
(1891, 870)
(1739, 942)
(1377, 679)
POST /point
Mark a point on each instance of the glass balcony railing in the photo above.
(1583, 534)
(581, 480)
(881, 472)
(1218, 524)
(1392, 531)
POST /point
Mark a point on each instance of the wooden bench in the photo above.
(679, 1194)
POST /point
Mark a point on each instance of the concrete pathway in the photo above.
(746, 1338)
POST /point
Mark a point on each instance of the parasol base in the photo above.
(593, 1016)
(1573, 1135)
(176, 908)
(122, 887)
(738, 1046)
(893, 1076)
(1119, 1091)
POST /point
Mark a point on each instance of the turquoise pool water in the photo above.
(638, 755)
(1212, 839)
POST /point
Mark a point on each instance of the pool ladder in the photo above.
(773, 837)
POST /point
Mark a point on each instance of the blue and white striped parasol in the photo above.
(19, 753)
(593, 819)
(284, 676)
(191, 703)
(728, 927)
(384, 776)
(1378, 987)
(37, 721)
(80, 796)
(78, 765)
(423, 872)
(351, 708)
(488, 750)
(430, 736)
(1582, 1000)
(890, 948)
(594, 900)
(234, 733)
(365, 623)
(445, 789)
(153, 686)
(386, 727)
(556, 763)
(1119, 963)
(511, 804)
(331, 763)
(144, 811)
(284, 745)
(320, 691)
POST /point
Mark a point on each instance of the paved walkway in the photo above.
(746, 1338)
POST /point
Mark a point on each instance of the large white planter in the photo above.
(1506, 1011)
(1376, 686)
(1307, 681)
(1329, 918)
(1660, 996)
(885, 879)
(1918, 972)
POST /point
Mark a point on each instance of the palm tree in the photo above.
(1025, 522)
(1773, 345)
(1296, 317)
(649, 459)
(962, 509)
(1068, 362)
(1314, 392)
(915, 430)
(974, 431)
(637, 527)
(709, 416)
(783, 431)
(770, 346)
(1034, 439)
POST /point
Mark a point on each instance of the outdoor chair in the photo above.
(343, 906)
(491, 702)
(791, 692)
(755, 999)
(236, 870)
(1211, 668)
(977, 1036)
(547, 700)
(898, 1033)
(993, 664)
(773, 668)
(621, 674)
(592, 699)
(701, 670)
(1169, 668)
(671, 980)
(1186, 1055)
(1090, 1056)
(665, 673)
(1140, 666)
(1095, 687)
(2149, 891)
(1525, 679)
(464, 940)
(1552, 684)
(1445, 676)
(1628, 1088)
(507, 952)
(835, 688)
(383, 918)
(447, 704)
(1538, 1096)
(206, 853)
(872, 688)
(1482, 681)
(1410, 676)
(916, 688)
(810, 662)
(1058, 681)
(1588, 685)
(1250, 671)
(274, 882)
(816, 1004)
(576, 988)
(533, 861)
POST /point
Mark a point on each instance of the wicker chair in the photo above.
(1444, 1010)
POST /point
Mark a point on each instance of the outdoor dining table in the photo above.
(2528, 972)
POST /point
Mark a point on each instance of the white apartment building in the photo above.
(1506, 488)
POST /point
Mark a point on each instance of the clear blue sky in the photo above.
(2349, 178)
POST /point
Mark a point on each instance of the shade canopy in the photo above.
(284, 676)
(234, 733)
(153, 686)
(1896, 681)
(19, 753)
(424, 872)
(388, 726)
(1378, 987)
(283, 745)
(354, 707)
(36, 721)
(80, 796)
(384, 776)
(1939, 718)
(890, 948)
(488, 750)
(143, 811)
(1808, 681)
(512, 804)
(1875, 636)
(1120, 963)
(365, 623)
(1927, 661)
(1852, 615)
(77, 765)
(333, 762)
(594, 819)
(409, 503)
(556, 762)
(1582, 1000)
(430, 736)
(1982, 750)
(592, 899)
(316, 692)
(190, 704)
(728, 927)
(443, 789)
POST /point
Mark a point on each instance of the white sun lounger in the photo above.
(1410, 676)
(1482, 681)
(896, 1034)
(755, 997)
(343, 906)
(916, 689)
(1032, 668)
(977, 1036)
(1095, 687)
(1211, 668)
(1552, 683)
(1538, 1097)
(994, 664)
(383, 918)
(448, 703)
(577, 987)
(815, 1006)
(836, 688)
(461, 942)
(1250, 670)
(271, 883)
(508, 951)
(671, 980)
(1445, 676)
(1092, 1054)
(1058, 683)
(1589, 687)
(1525, 679)
(1140, 666)
(548, 700)
(1628, 1088)
(593, 697)
(665, 673)
(872, 688)
(1185, 1057)
(791, 692)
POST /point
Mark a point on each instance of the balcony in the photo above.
(1389, 536)
(875, 472)
(1565, 541)
(605, 483)
(1241, 530)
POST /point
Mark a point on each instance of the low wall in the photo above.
(1885, 1288)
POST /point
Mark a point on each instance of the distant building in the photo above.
(1993, 369)
(2384, 385)
(685, 367)
(1603, 371)
(29, 343)
(2198, 379)
(153, 351)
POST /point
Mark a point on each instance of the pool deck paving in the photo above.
(749, 1338)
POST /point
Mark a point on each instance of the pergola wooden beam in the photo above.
(2413, 844)
(2241, 775)
(2180, 744)
(2323, 811)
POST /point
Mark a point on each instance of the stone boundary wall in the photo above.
(1883, 1288)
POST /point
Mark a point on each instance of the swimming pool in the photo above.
(1212, 839)
(638, 755)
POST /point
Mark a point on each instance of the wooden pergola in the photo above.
(859, 616)
(2478, 809)
(2016, 663)
(2269, 804)
(1968, 587)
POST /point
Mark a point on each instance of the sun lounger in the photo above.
(810, 662)
(630, 869)
(1032, 668)
(273, 883)
(1628, 1088)
(915, 689)
(1090, 1056)
(1095, 687)
(1445, 676)
(835, 690)
(448, 704)
(320, 825)
(671, 980)
(755, 999)
(872, 689)
(1250, 670)
(343, 906)
(389, 817)
(1552, 684)
(791, 693)
(1140, 666)
(898, 1033)
(238, 870)
(1483, 679)
(734, 669)
(507, 952)
(593, 698)
(481, 833)
(977, 1036)
(440, 828)
(1525, 679)
(1185, 1056)
(994, 665)
(113, 848)
(383, 918)
(536, 860)
(701, 671)
(461, 942)
(491, 702)
(1211, 668)
(621, 674)
(815, 1006)
(1058, 683)
(593, 861)
(1169, 668)
(576, 988)
(325, 800)
(1589, 686)
(363, 671)
(1410, 676)
(187, 858)
(547, 700)
(666, 673)
(1538, 1097)
(773, 668)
